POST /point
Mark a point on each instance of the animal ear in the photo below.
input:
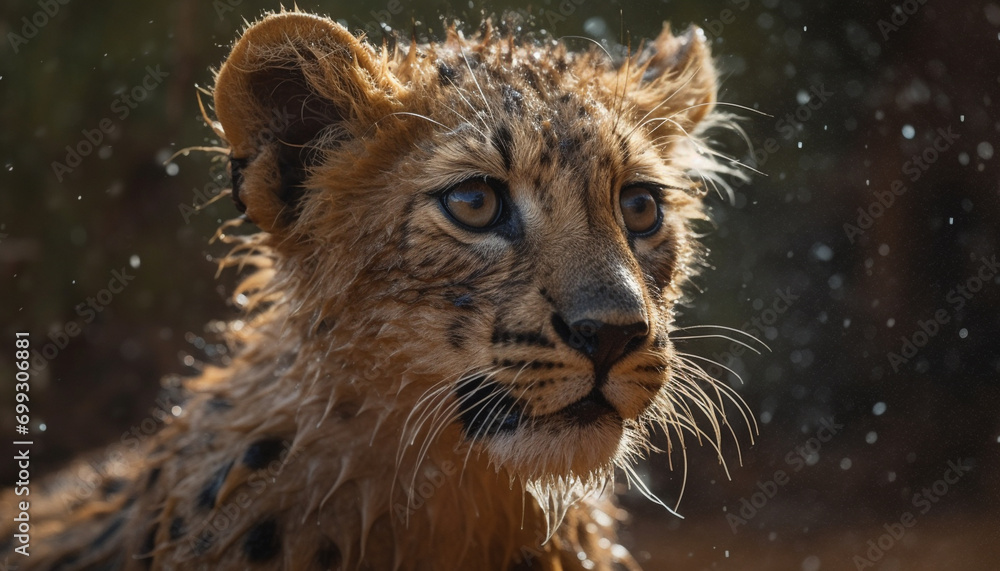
(676, 81)
(293, 86)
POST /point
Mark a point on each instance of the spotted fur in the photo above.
(407, 393)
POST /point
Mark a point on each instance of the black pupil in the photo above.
(639, 203)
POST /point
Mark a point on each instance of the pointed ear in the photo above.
(293, 84)
(675, 83)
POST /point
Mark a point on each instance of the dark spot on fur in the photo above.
(207, 496)
(236, 167)
(176, 528)
(146, 551)
(446, 74)
(112, 486)
(503, 142)
(263, 452)
(534, 365)
(531, 78)
(529, 338)
(325, 325)
(128, 502)
(569, 146)
(154, 475)
(463, 301)
(329, 557)
(261, 541)
(456, 336)
(513, 100)
(108, 532)
(219, 404)
(545, 159)
(203, 542)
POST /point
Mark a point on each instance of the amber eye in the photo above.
(639, 209)
(472, 203)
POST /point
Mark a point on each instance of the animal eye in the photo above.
(472, 203)
(640, 210)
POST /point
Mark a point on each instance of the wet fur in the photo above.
(332, 440)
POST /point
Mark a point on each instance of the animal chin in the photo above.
(582, 439)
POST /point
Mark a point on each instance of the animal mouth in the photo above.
(589, 409)
(486, 409)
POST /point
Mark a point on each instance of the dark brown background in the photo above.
(828, 359)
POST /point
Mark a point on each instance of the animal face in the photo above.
(521, 210)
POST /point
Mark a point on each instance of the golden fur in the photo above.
(335, 439)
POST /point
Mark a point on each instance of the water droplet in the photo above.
(985, 151)
(879, 408)
(963, 333)
(134, 261)
(909, 132)
(871, 437)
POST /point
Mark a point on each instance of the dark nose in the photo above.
(603, 343)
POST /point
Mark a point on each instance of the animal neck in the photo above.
(374, 469)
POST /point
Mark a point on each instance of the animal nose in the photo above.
(603, 343)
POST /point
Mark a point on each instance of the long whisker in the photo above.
(733, 329)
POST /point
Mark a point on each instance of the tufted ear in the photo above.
(676, 81)
(292, 85)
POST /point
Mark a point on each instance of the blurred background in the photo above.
(863, 256)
